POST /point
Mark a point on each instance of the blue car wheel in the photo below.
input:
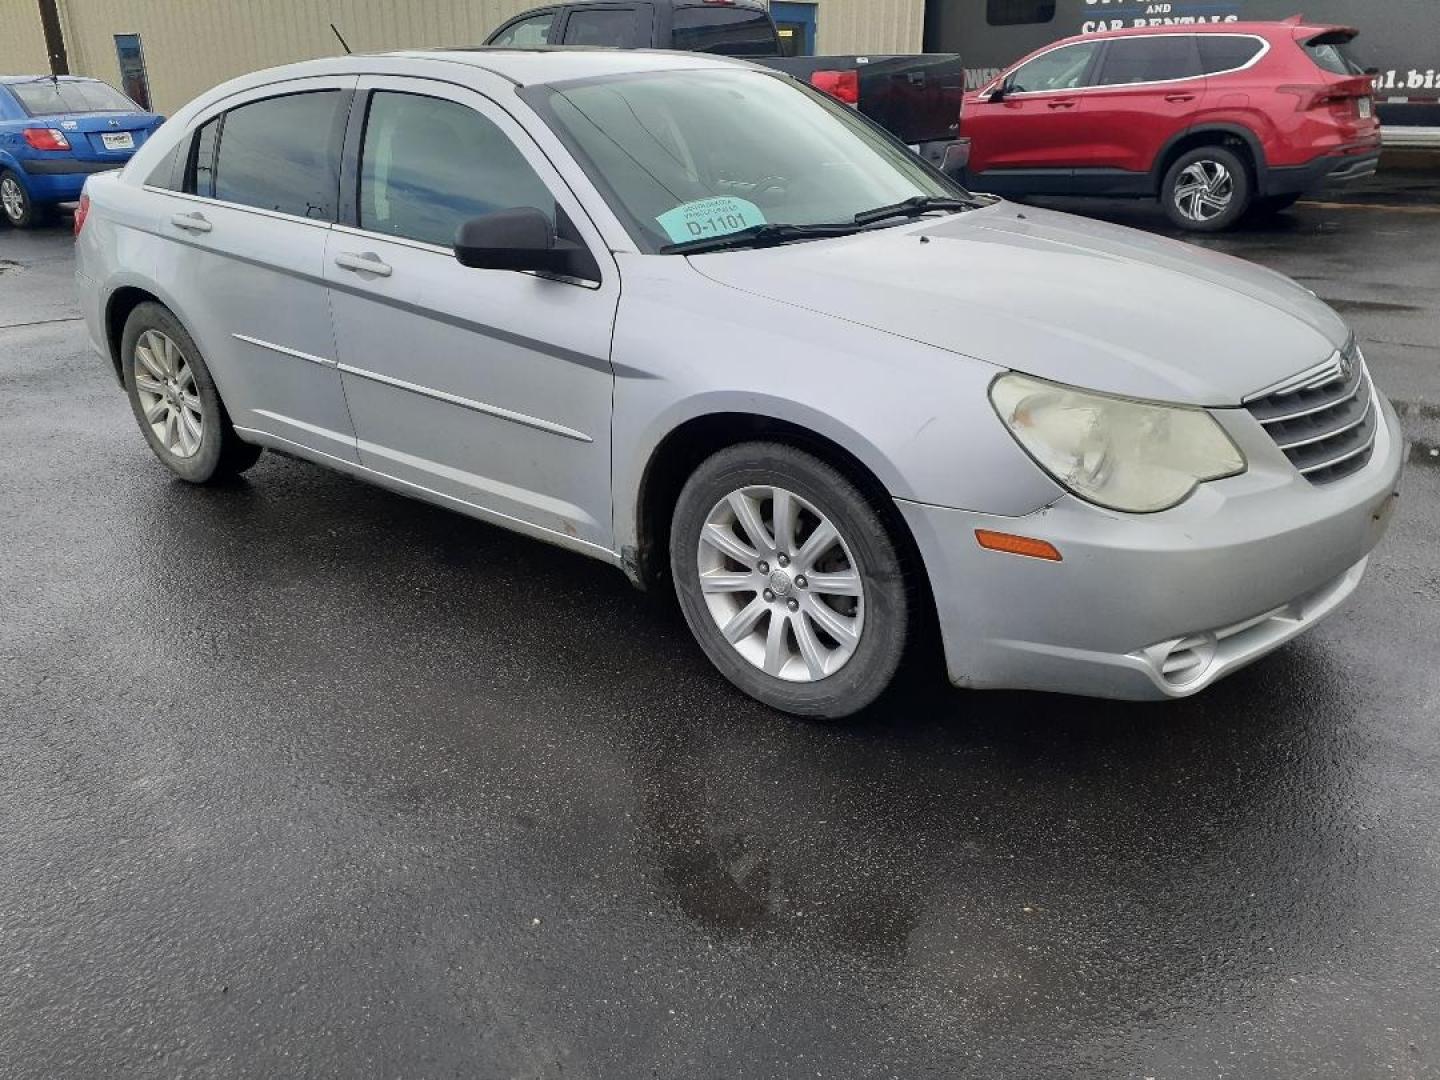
(15, 202)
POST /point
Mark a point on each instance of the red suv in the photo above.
(1215, 120)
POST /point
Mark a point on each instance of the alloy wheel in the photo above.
(781, 584)
(12, 198)
(168, 395)
(1204, 190)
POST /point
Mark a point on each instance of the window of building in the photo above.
(280, 154)
(429, 165)
(613, 27)
(1059, 69)
(1149, 59)
(731, 31)
(1018, 12)
(134, 79)
(527, 33)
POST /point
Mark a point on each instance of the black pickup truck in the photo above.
(917, 97)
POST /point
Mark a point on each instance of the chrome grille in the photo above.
(1324, 419)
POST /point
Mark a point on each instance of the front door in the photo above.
(1147, 90)
(492, 388)
(1036, 128)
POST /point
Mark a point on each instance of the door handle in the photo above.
(1062, 104)
(1179, 97)
(195, 222)
(363, 264)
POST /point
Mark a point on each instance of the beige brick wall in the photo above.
(191, 45)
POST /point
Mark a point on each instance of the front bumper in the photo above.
(1148, 607)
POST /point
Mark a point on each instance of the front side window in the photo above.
(1149, 59)
(54, 97)
(753, 146)
(1019, 12)
(1225, 52)
(730, 31)
(429, 165)
(1059, 69)
(527, 33)
(610, 27)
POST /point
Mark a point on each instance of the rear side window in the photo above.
(1059, 69)
(614, 27)
(1149, 59)
(1019, 12)
(1329, 53)
(278, 154)
(429, 165)
(49, 97)
(730, 31)
(527, 33)
(1223, 52)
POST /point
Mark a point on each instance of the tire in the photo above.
(809, 666)
(1227, 192)
(1272, 205)
(16, 205)
(166, 377)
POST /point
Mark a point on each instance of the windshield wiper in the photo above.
(760, 236)
(914, 207)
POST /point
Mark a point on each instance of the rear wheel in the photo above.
(175, 401)
(789, 580)
(1207, 189)
(19, 209)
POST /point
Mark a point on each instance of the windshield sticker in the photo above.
(710, 217)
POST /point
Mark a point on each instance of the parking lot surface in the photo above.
(301, 778)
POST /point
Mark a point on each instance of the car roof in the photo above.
(561, 63)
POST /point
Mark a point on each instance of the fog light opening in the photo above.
(1188, 661)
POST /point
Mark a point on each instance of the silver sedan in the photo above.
(701, 322)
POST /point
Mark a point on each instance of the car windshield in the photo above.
(46, 97)
(686, 156)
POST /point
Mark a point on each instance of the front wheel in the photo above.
(19, 208)
(1207, 189)
(789, 580)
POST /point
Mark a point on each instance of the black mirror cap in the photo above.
(522, 239)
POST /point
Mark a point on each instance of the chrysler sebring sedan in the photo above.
(699, 321)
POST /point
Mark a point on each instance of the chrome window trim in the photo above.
(449, 253)
(1113, 87)
(205, 200)
(524, 419)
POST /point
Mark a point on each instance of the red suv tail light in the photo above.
(82, 212)
(46, 139)
(842, 85)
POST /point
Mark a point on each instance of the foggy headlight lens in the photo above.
(1125, 455)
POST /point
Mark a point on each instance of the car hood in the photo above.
(1059, 297)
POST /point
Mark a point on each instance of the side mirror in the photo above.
(521, 239)
(998, 94)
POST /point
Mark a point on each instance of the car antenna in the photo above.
(338, 35)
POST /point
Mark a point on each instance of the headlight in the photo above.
(1125, 455)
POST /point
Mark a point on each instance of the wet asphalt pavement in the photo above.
(300, 778)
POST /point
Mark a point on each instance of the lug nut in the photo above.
(784, 560)
(769, 597)
(764, 568)
(801, 583)
(793, 605)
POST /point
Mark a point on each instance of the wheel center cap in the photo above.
(780, 583)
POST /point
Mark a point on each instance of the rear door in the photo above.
(1037, 127)
(490, 387)
(1146, 90)
(613, 26)
(257, 195)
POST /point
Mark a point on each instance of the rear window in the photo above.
(49, 98)
(1330, 54)
(731, 31)
(613, 27)
(1222, 52)
(1149, 59)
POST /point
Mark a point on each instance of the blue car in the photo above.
(54, 132)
